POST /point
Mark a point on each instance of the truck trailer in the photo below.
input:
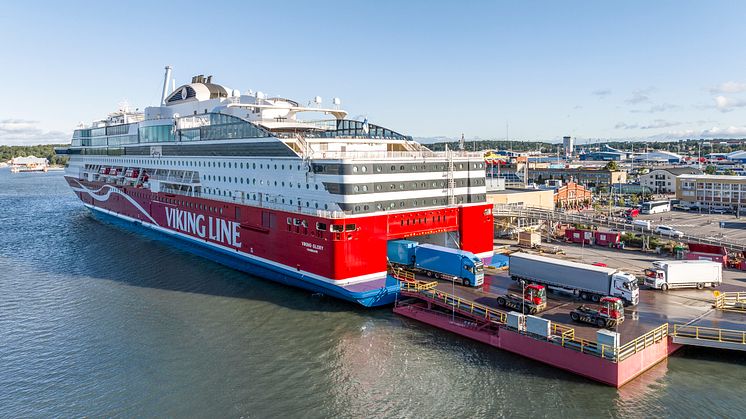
(589, 282)
(667, 274)
(440, 262)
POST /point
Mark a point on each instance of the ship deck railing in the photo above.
(423, 155)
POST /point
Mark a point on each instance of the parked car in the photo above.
(668, 231)
(680, 207)
(720, 210)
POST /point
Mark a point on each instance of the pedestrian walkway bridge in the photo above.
(519, 211)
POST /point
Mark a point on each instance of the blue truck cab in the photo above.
(441, 262)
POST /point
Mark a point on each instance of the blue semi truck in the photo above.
(440, 262)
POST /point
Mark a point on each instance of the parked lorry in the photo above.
(631, 213)
(609, 313)
(667, 274)
(587, 281)
(534, 299)
(440, 262)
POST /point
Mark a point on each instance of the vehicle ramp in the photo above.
(709, 337)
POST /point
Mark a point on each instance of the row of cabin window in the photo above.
(413, 185)
(378, 168)
(268, 166)
(229, 194)
(253, 181)
(423, 220)
(334, 228)
(188, 204)
(225, 165)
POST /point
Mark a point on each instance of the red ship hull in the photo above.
(349, 264)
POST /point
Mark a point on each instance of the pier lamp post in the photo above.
(523, 297)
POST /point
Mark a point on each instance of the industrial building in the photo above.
(603, 156)
(536, 198)
(659, 156)
(539, 174)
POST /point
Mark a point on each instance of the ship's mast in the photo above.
(165, 85)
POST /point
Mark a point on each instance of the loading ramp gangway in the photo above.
(709, 337)
(599, 221)
(731, 301)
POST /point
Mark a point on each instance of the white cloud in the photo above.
(727, 104)
(601, 93)
(731, 131)
(640, 96)
(660, 123)
(624, 125)
(25, 132)
(714, 132)
(657, 108)
(729, 87)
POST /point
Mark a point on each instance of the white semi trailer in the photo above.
(698, 274)
(590, 282)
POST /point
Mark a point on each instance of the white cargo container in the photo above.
(667, 274)
(588, 281)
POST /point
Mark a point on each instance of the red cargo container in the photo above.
(579, 236)
(605, 238)
(707, 248)
(708, 256)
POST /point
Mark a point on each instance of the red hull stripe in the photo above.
(340, 282)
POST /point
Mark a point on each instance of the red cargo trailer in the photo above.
(708, 256)
(605, 238)
(579, 236)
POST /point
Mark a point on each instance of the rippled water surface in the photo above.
(99, 321)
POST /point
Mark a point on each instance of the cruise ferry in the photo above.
(298, 194)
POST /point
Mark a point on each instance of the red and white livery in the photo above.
(260, 184)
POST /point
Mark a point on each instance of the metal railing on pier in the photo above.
(561, 334)
(725, 336)
(730, 301)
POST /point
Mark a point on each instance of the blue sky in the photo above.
(594, 70)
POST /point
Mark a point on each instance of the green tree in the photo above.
(612, 166)
(710, 169)
(730, 172)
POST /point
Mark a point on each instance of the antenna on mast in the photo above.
(165, 85)
(461, 142)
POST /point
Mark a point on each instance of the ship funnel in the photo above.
(166, 78)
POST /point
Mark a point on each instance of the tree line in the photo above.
(46, 151)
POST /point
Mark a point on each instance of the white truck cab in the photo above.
(625, 287)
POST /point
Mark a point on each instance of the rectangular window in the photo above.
(337, 228)
(350, 227)
(321, 226)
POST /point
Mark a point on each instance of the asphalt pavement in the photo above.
(656, 307)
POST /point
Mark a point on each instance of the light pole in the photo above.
(523, 297)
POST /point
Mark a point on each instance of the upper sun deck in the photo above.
(203, 111)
